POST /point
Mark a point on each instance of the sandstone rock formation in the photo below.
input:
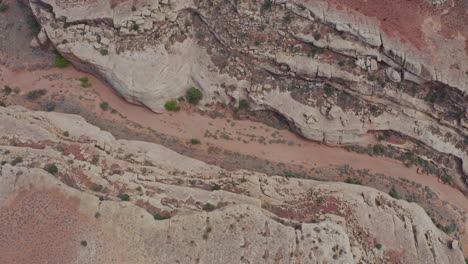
(73, 213)
(348, 65)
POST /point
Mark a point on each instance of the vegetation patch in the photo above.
(194, 95)
(208, 207)
(35, 94)
(60, 61)
(171, 106)
(16, 161)
(124, 197)
(159, 216)
(85, 82)
(51, 168)
(195, 141)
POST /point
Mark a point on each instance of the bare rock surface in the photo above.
(250, 218)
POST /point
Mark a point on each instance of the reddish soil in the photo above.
(42, 226)
(404, 18)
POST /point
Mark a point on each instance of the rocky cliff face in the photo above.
(335, 71)
(65, 176)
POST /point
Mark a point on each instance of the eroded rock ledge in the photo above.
(253, 218)
(334, 72)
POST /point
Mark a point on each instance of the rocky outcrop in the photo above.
(250, 217)
(153, 51)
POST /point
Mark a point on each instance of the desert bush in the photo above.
(244, 104)
(98, 188)
(378, 149)
(104, 106)
(51, 168)
(195, 141)
(288, 17)
(4, 7)
(393, 193)
(85, 82)
(84, 243)
(171, 106)
(267, 4)
(16, 161)
(35, 94)
(104, 52)
(60, 61)
(353, 181)
(159, 216)
(317, 36)
(49, 106)
(208, 207)
(216, 187)
(7, 90)
(124, 197)
(194, 95)
(66, 134)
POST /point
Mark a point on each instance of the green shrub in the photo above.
(98, 188)
(317, 36)
(139, 189)
(60, 61)
(267, 4)
(194, 95)
(302, 7)
(84, 243)
(16, 161)
(104, 52)
(51, 168)
(244, 104)
(159, 216)
(195, 141)
(378, 246)
(208, 207)
(7, 90)
(353, 181)
(216, 187)
(393, 193)
(97, 215)
(171, 106)
(124, 197)
(85, 82)
(104, 106)
(288, 17)
(135, 27)
(66, 134)
(4, 7)
(35, 94)
(378, 149)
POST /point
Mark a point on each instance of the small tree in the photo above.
(194, 95)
